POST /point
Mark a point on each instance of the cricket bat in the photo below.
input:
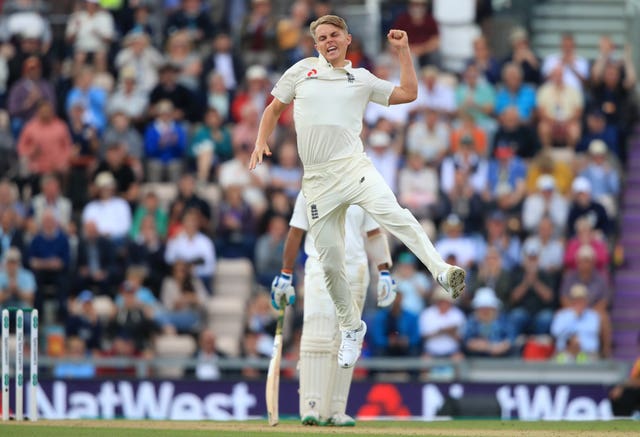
(273, 376)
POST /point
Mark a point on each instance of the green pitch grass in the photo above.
(457, 428)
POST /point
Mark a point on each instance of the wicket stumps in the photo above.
(19, 362)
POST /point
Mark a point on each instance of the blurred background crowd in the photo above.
(129, 218)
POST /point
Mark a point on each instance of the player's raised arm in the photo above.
(407, 91)
(268, 122)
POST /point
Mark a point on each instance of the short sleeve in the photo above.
(284, 89)
(380, 89)
(299, 217)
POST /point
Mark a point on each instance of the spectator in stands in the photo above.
(168, 88)
(487, 64)
(625, 397)
(286, 172)
(603, 176)
(434, 93)
(545, 164)
(454, 242)
(116, 163)
(487, 332)
(414, 284)
(86, 141)
(147, 249)
(429, 137)
(90, 31)
(289, 31)
(269, 250)
(394, 332)
(492, 274)
(120, 131)
(572, 68)
(194, 247)
(546, 202)
(418, 186)
(153, 309)
(507, 169)
(477, 96)
(191, 17)
(11, 233)
(51, 198)
(30, 42)
(132, 320)
(499, 236)
(111, 214)
(551, 245)
(515, 92)
(245, 131)
(511, 132)
(138, 62)
(150, 205)
(27, 93)
(522, 55)
(17, 284)
(236, 233)
(78, 365)
(584, 205)
(216, 97)
(467, 161)
(532, 300)
(92, 97)
(577, 325)
(49, 259)
(225, 61)
(10, 199)
(585, 234)
(252, 183)
(45, 145)
(96, 261)
(560, 106)
(165, 143)
(462, 197)
(207, 356)
(184, 299)
(596, 128)
(252, 351)
(441, 326)
(422, 30)
(188, 194)
(129, 99)
(180, 52)
(258, 35)
(469, 132)
(122, 344)
(84, 323)
(382, 150)
(215, 133)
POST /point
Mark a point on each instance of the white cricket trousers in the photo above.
(329, 189)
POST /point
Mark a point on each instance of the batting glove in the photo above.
(387, 289)
(281, 287)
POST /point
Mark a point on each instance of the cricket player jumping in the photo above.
(324, 387)
(331, 97)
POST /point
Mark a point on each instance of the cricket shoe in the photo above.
(351, 345)
(452, 280)
(341, 419)
(312, 418)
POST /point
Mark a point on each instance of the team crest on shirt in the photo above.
(312, 74)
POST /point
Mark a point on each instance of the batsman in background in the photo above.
(324, 387)
(330, 99)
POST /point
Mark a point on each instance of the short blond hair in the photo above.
(334, 20)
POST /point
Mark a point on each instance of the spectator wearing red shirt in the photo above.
(422, 29)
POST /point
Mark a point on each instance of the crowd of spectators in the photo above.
(513, 166)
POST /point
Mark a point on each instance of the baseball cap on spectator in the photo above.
(379, 138)
(578, 291)
(452, 221)
(85, 296)
(485, 297)
(597, 147)
(581, 185)
(531, 248)
(546, 182)
(256, 72)
(105, 180)
(13, 254)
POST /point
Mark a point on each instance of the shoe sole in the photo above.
(455, 277)
(364, 327)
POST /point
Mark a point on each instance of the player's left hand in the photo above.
(282, 287)
(387, 289)
(398, 38)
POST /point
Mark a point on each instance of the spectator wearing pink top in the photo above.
(585, 234)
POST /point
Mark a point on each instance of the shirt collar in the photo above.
(323, 63)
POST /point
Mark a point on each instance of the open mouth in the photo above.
(332, 49)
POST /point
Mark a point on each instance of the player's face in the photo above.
(332, 43)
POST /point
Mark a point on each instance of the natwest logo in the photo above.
(312, 74)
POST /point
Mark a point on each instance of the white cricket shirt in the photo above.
(357, 224)
(329, 106)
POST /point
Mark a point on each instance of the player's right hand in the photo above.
(281, 286)
(260, 150)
